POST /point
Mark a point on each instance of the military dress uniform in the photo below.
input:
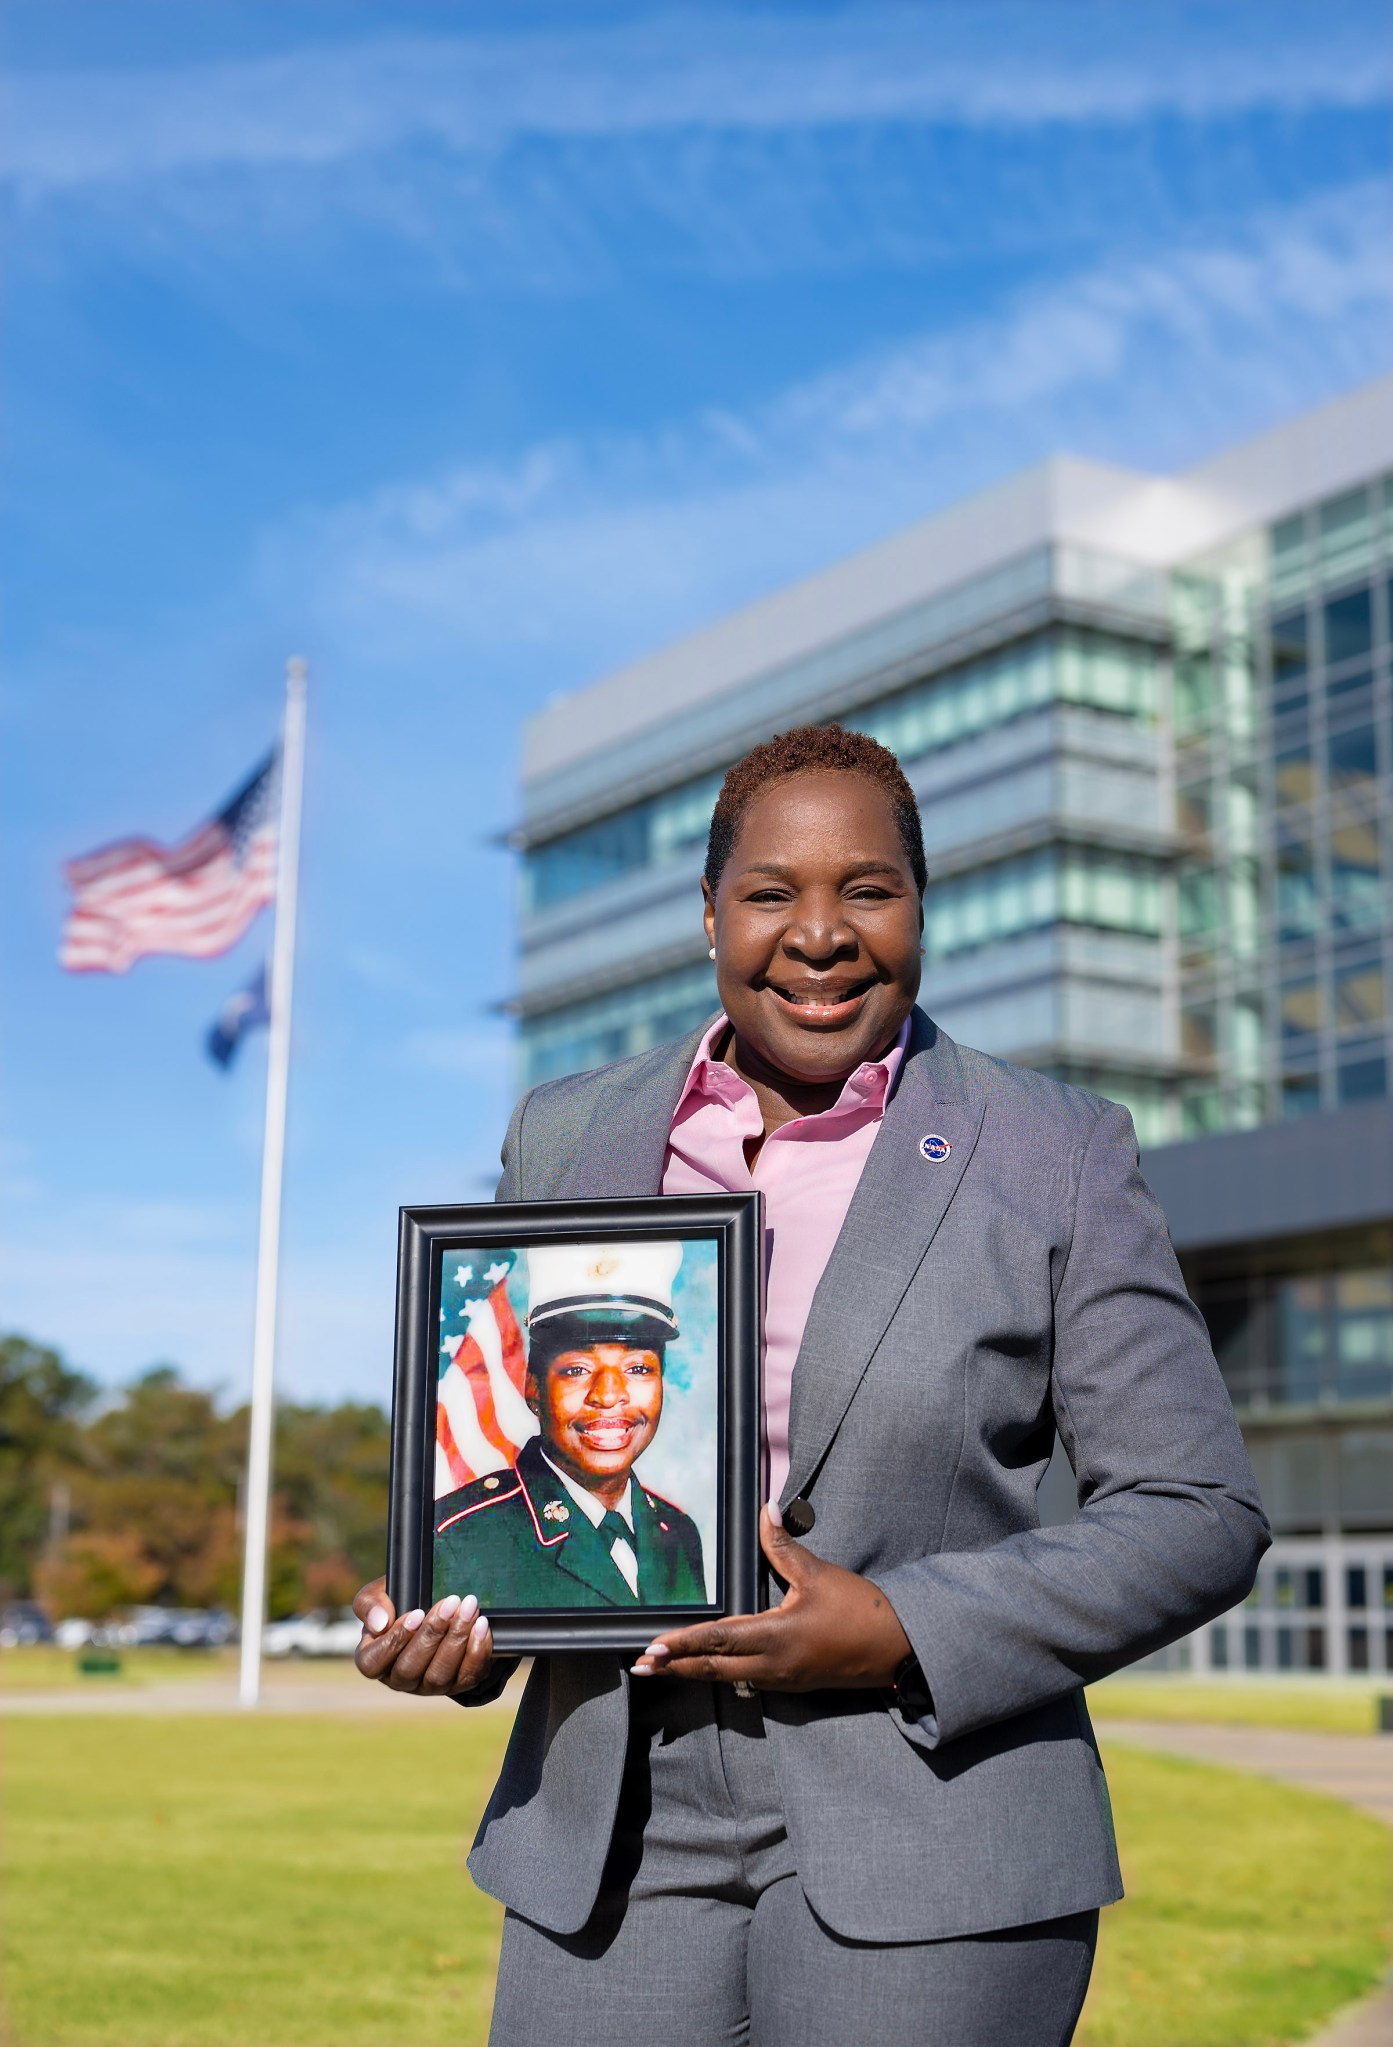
(517, 1539)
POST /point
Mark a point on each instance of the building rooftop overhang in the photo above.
(1154, 522)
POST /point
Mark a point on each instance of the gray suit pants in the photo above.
(702, 1934)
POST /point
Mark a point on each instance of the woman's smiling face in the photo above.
(597, 1408)
(817, 926)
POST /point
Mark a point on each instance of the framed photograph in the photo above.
(575, 1419)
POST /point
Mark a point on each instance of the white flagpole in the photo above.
(258, 1498)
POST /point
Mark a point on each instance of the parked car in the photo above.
(325, 1631)
(73, 1633)
(178, 1627)
(196, 1627)
(144, 1627)
(23, 1623)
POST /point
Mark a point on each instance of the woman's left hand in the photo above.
(833, 1628)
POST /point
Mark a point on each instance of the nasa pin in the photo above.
(934, 1148)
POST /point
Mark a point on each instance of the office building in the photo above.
(1148, 720)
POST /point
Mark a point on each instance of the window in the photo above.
(1363, 1316)
(1194, 809)
(1299, 1347)
(1068, 885)
(1198, 901)
(1301, 1340)
(1349, 626)
(1300, 1094)
(586, 1034)
(1194, 687)
(1359, 997)
(646, 835)
(1061, 667)
(1290, 657)
(1296, 886)
(1294, 774)
(1351, 695)
(1354, 760)
(1346, 532)
(1355, 887)
(1301, 1008)
(1364, 1080)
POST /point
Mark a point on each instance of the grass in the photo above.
(1253, 1912)
(226, 1882)
(44, 1668)
(212, 1881)
(1319, 1705)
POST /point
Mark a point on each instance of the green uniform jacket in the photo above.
(517, 1540)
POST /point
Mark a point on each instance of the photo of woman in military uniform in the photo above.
(545, 1411)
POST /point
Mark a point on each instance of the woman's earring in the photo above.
(711, 952)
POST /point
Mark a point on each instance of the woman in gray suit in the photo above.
(875, 1812)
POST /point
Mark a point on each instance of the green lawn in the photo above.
(1324, 1705)
(1253, 1910)
(44, 1668)
(213, 1881)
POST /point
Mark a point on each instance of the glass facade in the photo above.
(1284, 795)
(1313, 1339)
(1060, 884)
(1063, 666)
(1059, 667)
(645, 835)
(611, 1026)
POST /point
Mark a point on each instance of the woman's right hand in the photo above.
(437, 1654)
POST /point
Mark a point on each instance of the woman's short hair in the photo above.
(794, 753)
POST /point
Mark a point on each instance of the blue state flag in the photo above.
(248, 1010)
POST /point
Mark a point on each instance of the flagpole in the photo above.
(258, 1494)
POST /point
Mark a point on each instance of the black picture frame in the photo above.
(426, 1238)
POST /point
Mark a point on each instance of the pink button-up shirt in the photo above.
(808, 1172)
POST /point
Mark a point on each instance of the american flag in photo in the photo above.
(481, 1418)
(195, 899)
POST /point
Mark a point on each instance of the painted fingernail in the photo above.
(411, 1621)
(448, 1608)
(775, 1514)
(657, 1651)
(377, 1620)
(478, 1634)
(640, 1670)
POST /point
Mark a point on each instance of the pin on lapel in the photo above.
(555, 1510)
(934, 1148)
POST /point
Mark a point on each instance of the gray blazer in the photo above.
(972, 1308)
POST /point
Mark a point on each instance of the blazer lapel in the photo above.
(621, 1150)
(899, 1202)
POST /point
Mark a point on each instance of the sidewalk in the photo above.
(1357, 1768)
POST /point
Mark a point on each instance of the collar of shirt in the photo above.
(592, 1508)
(710, 1079)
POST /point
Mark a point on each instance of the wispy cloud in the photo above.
(1152, 360)
(474, 95)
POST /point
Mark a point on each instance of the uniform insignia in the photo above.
(490, 1485)
(935, 1148)
(554, 1510)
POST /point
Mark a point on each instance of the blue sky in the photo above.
(470, 350)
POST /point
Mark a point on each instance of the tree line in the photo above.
(110, 1500)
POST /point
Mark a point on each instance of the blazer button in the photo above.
(799, 1516)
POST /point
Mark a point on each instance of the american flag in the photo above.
(481, 1418)
(196, 898)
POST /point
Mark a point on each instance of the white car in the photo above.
(73, 1634)
(326, 1631)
